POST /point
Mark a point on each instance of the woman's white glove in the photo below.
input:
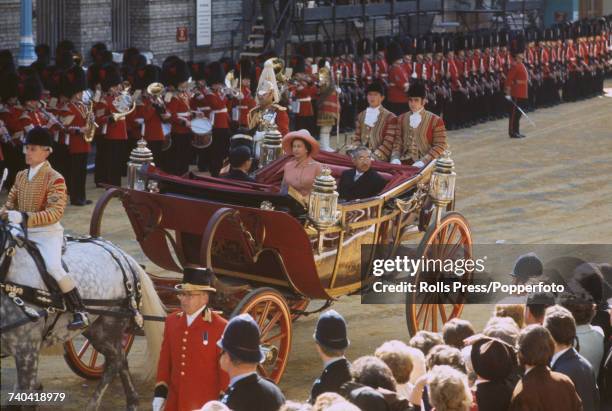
(396, 161)
(15, 217)
(158, 403)
(418, 164)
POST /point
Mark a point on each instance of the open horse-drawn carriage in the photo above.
(272, 254)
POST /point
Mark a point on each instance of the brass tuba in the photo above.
(232, 86)
(156, 90)
(124, 103)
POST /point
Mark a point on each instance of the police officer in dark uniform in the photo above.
(331, 342)
(241, 355)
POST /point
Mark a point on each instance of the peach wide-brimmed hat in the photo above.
(303, 135)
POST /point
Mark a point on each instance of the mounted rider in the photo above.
(37, 201)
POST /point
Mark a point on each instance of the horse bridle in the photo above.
(8, 251)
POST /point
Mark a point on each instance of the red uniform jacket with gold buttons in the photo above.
(104, 109)
(517, 81)
(74, 117)
(189, 361)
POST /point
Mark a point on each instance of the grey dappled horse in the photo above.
(97, 276)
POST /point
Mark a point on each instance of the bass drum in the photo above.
(166, 127)
(202, 133)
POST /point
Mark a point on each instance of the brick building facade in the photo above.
(150, 25)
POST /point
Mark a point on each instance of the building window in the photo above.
(120, 24)
(50, 22)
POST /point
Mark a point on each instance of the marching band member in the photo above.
(397, 102)
(304, 91)
(188, 372)
(268, 96)
(421, 136)
(76, 119)
(10, 112)
(115, 132)
(375, 126)
(38, 200)
(245, 102)
(176, 74)
(218, 102)
(153, 113)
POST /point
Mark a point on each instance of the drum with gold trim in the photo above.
(202, 132)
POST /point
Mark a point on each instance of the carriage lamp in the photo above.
(442, 184)
(323, 202)
(271, 147)
(140, 156)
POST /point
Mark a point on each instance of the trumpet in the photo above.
(232, 86)
(156, 90)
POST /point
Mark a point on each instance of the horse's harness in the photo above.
(52, 301)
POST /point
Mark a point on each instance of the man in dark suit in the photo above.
(362, 181)
(241, 355)
(541, 389)
(240, 163)
(332, 342)
(562, 326)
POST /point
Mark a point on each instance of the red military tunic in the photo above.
(303, 95)
(517, 81)
(398, 82)
(152, 121)
(244, 106)
(180, 111)
(116, 130)
(189, 361)
(75, 120)
(219, 116)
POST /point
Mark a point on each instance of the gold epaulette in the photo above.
(180, 314)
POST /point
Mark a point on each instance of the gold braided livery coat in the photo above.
(426, 142)
(379, 138)
(43, 199)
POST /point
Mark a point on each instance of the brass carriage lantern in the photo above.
(442, 183)
(140, 156)
(323, 202)
(271, 147)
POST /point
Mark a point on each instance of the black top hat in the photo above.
(241, 339)
(109, 76)
(239, 155)
(30, 88)
(73, 81)
(196, 279)
(394, 52)
(376, 86)
(39, 136)
(527, 266)
(416, 89)
(174, 71)
(493, 359)
(331, 331)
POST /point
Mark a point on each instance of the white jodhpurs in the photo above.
(49, 241)
(324, 138)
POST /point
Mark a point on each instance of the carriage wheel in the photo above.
(85, 360)
(451, 239)
(271, 312)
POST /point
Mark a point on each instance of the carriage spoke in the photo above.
(272, 322)
(264, 314)
(443, 313)
(83, 349)
(273, 338)
(448, 241)
(94, 357)
(419, 312)
(434, 318)
(425, 318)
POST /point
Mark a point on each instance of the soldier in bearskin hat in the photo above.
(175, 75)
(219, 101)
(78, 119)
(303, 93)
(10, 112)
(396, 101)
(245, 102)
(188, 372)
(517, 86)
(375, 126)
(421, 135)
(114, 128)
(152, 111)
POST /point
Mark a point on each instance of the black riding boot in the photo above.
(74, 302)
